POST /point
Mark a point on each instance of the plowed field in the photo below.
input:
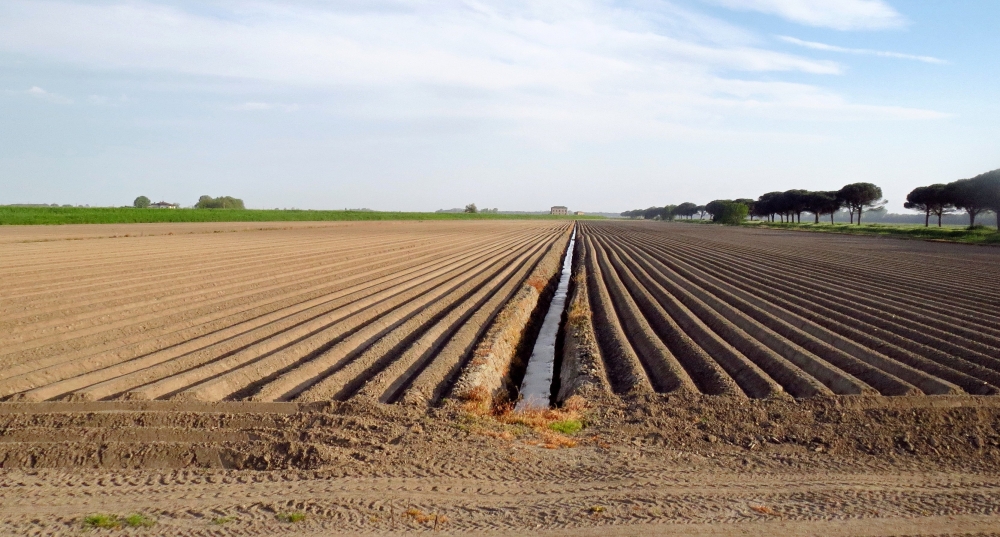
(760, 314)
(229, 312)
(219, 378)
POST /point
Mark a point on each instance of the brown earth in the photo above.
(656, 465)
(387, 310)
(765, 314)
(702, 445)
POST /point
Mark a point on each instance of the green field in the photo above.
(984, 235)
(128, 215)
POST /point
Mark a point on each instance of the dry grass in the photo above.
(764, 510)
(551, 427)
(478, 401)
(426, 518)
(537, 282)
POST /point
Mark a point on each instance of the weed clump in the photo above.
(566, 426)
(223, 520)
(112, 522)
(102, 521)
(291, 518)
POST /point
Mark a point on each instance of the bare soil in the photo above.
(770, 314)
(654, 465)
(735, 382)
(388, 310)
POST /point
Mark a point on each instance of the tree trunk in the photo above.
(859, 216)
(939, 218)
(972, 218)
(852, 216)
(831, 219)
(817, 217)
(997, 210)
(927, 219)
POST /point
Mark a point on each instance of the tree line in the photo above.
(786, 206)
(204, 202)
(974, 196)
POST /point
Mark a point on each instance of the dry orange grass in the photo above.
(538, 283)
(539, 421)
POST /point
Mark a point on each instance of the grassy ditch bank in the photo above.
(128, 215)
(977, 235)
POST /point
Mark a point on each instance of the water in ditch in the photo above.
(536, 388)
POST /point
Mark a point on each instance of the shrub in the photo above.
(141, 202)
(732, 213)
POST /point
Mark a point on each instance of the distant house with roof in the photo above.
(163, 205)
(559, 209)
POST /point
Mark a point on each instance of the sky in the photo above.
(414, 105)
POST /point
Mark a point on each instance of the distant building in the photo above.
(163, 205)
(579, 213)
(559, 209)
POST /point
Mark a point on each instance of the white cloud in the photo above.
(833, 48)
(257, 106)
(55, 98)
(556, 70)
(836, 14)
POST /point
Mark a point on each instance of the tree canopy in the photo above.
(687, 209)
(222, 202)
(141, 202)
(858, 197)
(933, 199)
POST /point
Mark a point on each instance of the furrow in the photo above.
(836, 369)
(623, 367)
(423, 371)
(197, 348)
(159, 326)
(349, 318)
(753, 366)
(326, 376)
(967, 375)
(267, 339)
(662, 368)
(784, 321)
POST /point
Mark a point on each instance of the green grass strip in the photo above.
(128, 215)
(978, 235)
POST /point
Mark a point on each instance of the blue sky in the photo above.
(399, 105)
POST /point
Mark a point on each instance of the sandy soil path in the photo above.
(650, 503)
